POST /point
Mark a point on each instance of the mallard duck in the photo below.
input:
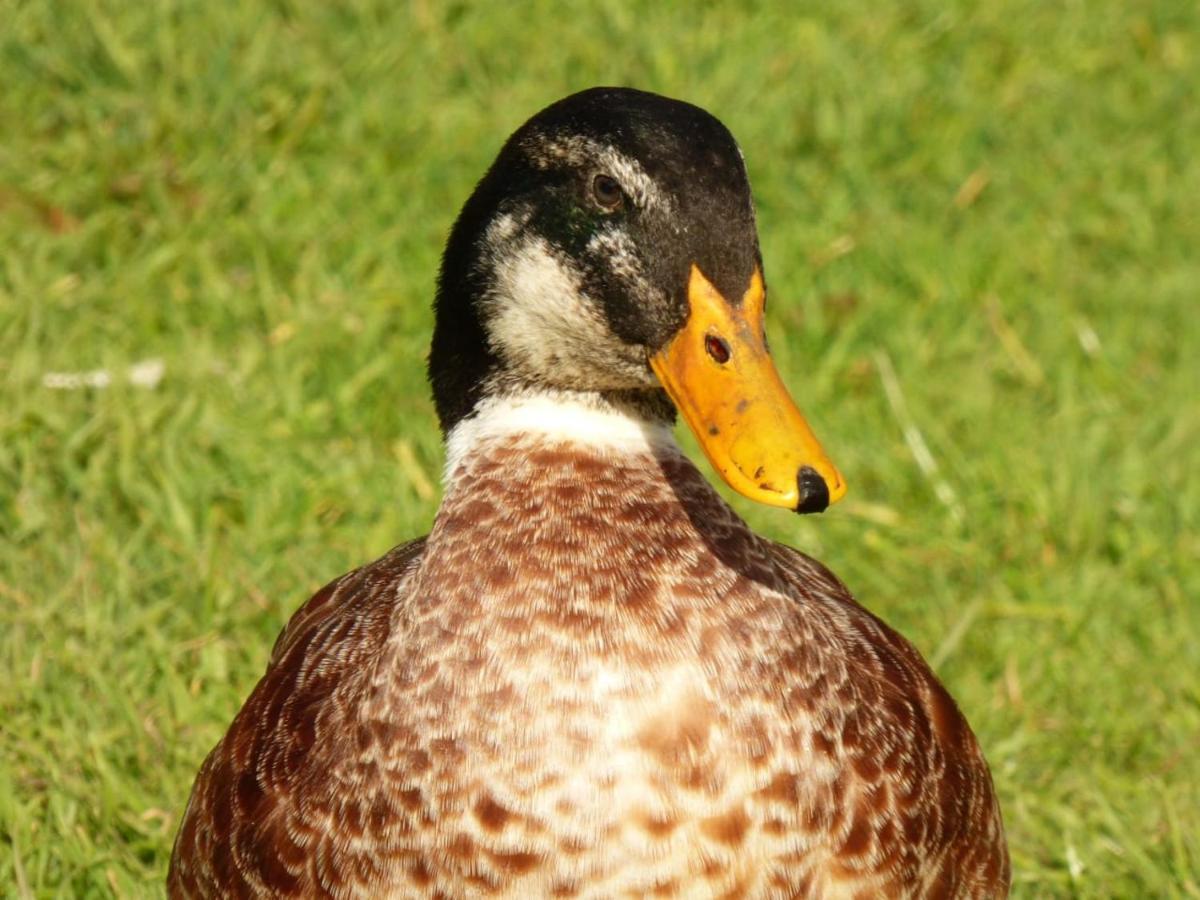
(591, 678)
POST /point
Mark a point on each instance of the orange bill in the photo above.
(718, 372)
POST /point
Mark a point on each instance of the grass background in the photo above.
(980, 224)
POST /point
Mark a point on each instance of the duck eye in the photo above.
(607, 193)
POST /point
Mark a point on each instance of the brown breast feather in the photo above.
(592, 680)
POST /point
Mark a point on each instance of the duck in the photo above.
(591, 678)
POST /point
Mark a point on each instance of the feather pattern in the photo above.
(593, 680)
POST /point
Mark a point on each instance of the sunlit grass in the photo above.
(980, 231)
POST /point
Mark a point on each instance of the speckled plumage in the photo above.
(593, 680)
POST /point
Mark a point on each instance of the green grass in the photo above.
(980, 227)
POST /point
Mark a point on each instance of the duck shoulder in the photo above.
(929, 813)
(343, 599)
(257, 810)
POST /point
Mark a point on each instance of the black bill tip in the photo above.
(814, 493)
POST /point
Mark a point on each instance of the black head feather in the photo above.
(684, 200)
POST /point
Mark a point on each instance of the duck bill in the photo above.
(721, 377)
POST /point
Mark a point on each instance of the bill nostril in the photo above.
(814, 492)
(717, 348)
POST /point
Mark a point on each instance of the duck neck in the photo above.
(610, 426)
(582, 528)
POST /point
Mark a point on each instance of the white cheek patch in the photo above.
(539, 320)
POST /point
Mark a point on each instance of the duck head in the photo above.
(610, 253)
